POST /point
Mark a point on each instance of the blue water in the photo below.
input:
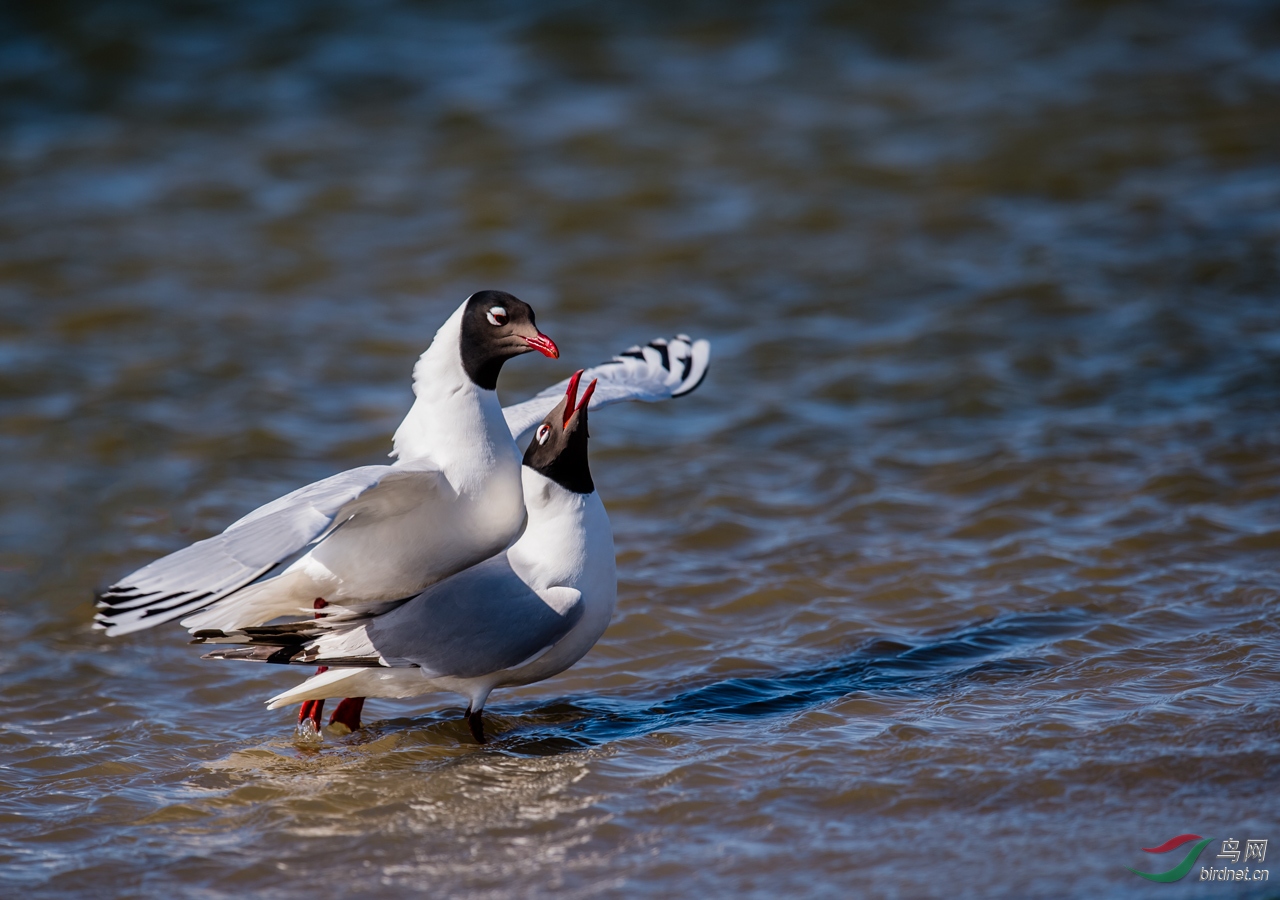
(956, 578)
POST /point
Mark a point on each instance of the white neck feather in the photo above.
(451, 411)
(439, 368)
(565, 533)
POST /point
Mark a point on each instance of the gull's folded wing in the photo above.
(483, 620)
(660, 370)
(209, 570)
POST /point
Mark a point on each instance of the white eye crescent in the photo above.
(497, 315)
(544, 432)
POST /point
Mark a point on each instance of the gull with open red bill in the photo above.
(519, 617)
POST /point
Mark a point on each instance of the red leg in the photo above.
(348, 713)
(314, 709)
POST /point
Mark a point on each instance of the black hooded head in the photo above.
(559, 446)
(495, 327)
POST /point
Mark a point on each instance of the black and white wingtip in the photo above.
(126, 607)
(123, 609)
(685, 359)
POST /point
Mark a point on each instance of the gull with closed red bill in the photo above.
(376, 533)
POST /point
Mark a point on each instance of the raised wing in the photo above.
(209, 570)
(660, 370)
(480, 621)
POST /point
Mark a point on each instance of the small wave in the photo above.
(975, 651)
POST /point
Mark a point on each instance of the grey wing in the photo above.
(480, 621)
(660, 370)
(216, 567)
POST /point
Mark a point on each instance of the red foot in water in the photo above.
(348, 713)
(314, 709)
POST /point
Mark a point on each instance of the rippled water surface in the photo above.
(957, 577)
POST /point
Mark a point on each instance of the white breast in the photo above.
(568, 542)
(459, 428)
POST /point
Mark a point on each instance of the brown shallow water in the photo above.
(956, 577)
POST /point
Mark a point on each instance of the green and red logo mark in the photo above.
(1182, 868)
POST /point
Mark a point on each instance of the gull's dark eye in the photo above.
(496, 315)
(544, 432)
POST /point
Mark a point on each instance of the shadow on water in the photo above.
(883, 665)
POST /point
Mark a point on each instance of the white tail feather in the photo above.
(394, 683)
